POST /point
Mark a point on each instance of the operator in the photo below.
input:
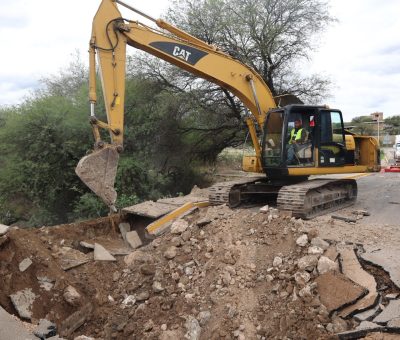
(297, 136)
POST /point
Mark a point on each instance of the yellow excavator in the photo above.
(296, 142)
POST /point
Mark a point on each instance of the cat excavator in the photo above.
(283, 160)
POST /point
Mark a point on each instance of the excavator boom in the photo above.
(110, 35)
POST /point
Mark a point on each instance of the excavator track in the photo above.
(229, 192)
(313, 198)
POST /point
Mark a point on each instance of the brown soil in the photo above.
(230, 275)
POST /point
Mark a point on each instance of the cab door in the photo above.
(331, 139)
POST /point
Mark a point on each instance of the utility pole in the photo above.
(377, 116)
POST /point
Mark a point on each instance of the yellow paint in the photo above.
(155, 227)
(358, 176)
(308, 171)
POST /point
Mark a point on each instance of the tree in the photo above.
(271, 36)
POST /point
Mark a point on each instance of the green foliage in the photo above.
(393, 125)
(42, 140)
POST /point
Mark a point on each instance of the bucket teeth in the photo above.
(98, 171)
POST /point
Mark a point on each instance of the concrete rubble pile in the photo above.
(217, 273)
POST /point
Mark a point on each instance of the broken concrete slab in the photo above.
(124, 228)
(11, 328)
(368, 314)
(75, 320)
(45, 329)
(337, 291)
(387, 258)
(102, 254)
(331, 253)
(179, 226)
(394, 323)
(23, 301)
(69, 258)
(86, 245)
(133, 239)
(24, 264)
(150, 209)
(391, 312)
(351, 267)
(361, 333)
(367, 325)
(326, 265)
(4, 229)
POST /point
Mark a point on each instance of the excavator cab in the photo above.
(300, 137)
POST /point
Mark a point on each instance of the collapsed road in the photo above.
(213, 273)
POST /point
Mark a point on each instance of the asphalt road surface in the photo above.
(379, 193)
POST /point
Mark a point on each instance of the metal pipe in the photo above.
(136, 11)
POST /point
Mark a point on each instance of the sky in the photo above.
(360, 53)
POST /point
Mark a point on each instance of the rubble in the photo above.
(336, 290)
(353, 270)
(101, 253)
(222, 273)
(391, 312)
(179, 226)
(387, 259)
(326, 265)
(133, 239)
(72, 296)
(23, 301)
(4, 229)
(45, 329)
(25, 264)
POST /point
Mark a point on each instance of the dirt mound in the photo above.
(227, 273)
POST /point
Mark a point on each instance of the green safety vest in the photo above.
(298, 135)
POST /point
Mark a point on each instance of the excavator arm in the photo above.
(110, 36)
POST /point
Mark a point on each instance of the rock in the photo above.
(143, 296)
(102, 254)
(148, 326)
(45, 329)
(84, 337)
(394, 323)
(393, 296)
(314, 250)
(129, 300)
(170, 253)
(367, 325)
(339, 325)
(75, 320)
(25, 264)
(336, 290)
(171, 335)
(4, 229)
(124, 228)
(302, 241)
(319, 242)
(203, 222)
(72, 296)
(308, 262)
(179, 226)
(157, 287)
(137, 257)
(392, 311)
(193, 329)
(148, 269)
(326, 265)
(46, 283)
(133, 239)
(264, 209)
(70, 258)
(302, 278)
(204, 317)
(86, 245)
(367, 315)
(23, 301)
(277, 261)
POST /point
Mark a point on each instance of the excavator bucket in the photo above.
(98, 171)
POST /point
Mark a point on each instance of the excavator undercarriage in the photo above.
(306, 200)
